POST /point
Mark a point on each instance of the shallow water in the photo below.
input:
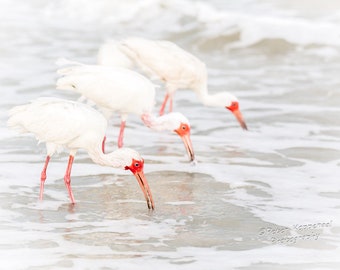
(263, 199)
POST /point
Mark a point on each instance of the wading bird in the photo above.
(166, 61)
(124, 91)
(61, 123)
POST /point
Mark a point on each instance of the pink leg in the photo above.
(67, 178)
(170, 103)
(103, 144)
(121, 134)
(43, 177)
(161, 111)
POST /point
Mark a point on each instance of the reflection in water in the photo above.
(192, 210)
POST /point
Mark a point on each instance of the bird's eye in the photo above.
(136, 166)
(183, 129)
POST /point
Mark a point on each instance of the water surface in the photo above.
(267, 198)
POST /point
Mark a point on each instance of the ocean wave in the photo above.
(198, 22)
(204, 20)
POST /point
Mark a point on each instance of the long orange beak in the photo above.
(184, 132)
(136, 168)
(239, 118)
(143, 183)
(234, 108)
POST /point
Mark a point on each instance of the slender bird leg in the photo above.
(121, 134)
(170, 103)
(161, 111)
(67, 178)
(103, 144)
(43, 177)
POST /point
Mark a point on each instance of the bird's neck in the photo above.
(207, 99)
(157, 123)
(211, 100)
(98, 157)
(201, 89)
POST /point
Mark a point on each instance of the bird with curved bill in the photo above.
(171, 64)
(73, 125)
(126, 92)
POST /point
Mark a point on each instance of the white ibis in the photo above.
(62, 123)
(171, 64)
(124, 91)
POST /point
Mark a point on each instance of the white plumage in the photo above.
(121, 90)
(62, 123)
(171, 64)
(110, 88)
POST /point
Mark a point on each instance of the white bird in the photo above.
(124, 91)
(171, 64)
(61, 123)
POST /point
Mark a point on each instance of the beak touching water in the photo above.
(234, 108)
(137, 169)
(184, 132)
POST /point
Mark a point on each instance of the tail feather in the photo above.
(16, 114)
(65, 62)
(66, 70)
(66, 83)
(110, 54)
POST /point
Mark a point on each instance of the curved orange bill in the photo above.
(143, 183)
(184, 132)
(188, 146)
(239, 118)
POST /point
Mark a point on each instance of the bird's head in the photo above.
(226, 100)
(136, 166)
(180, 125)
(174, 122)
(232, 105)
(131, 160)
